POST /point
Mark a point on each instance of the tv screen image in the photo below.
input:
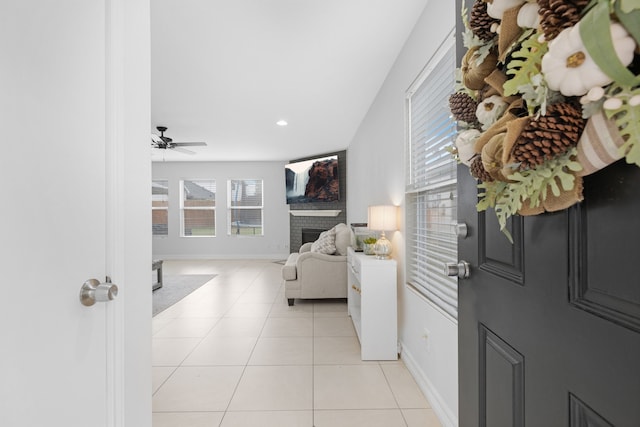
(313, 180)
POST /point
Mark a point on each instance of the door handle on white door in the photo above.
(460, 269)
(93, 291)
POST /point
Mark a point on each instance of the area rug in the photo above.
(174, 288)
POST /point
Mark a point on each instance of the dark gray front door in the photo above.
(549, 326)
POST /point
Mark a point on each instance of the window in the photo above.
(245, 207)
(198, 207)
(431, 181)
(160, 207)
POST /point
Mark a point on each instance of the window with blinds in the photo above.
(160, 207)
(431, 195)
(245, 206)
(198, 208)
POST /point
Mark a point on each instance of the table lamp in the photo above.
(383, 218)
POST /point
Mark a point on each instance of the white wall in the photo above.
(274, 244)
(376, 176)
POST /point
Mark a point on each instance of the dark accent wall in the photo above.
(297, 223)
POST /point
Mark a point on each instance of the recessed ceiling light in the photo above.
(282, 123)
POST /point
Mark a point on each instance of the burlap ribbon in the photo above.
(492, 157)
(555, 203)
(497, 80)
(500, 126)
(527, 210)
(509, 32)
(566, 199)
(513, 130)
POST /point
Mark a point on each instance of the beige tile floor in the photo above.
(234, 354)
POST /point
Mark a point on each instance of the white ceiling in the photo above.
(225, 71)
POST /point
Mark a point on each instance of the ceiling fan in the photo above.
(164, 142)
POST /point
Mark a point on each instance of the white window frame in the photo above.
(230, 208)
(184, 208)
(431, 196)
(159, 208)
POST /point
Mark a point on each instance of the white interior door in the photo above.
(65, 125)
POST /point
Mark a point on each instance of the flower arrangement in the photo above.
(549, 92)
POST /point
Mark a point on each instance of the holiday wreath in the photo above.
(549, 92)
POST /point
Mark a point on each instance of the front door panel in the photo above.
(501, 374)
(549, 326)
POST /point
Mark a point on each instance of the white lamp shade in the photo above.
(383, 217)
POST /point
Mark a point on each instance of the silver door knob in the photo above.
(460, 269)
(93, 291)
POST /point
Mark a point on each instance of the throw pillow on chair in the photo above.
(326, 243)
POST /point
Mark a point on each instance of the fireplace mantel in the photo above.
(315, 212)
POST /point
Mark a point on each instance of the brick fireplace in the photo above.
(313, 221)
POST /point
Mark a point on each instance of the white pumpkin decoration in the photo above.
(528, 16)
(496, 8)
(464, 144)
(567, 66)
(490, 110)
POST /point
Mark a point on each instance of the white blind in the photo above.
(160, 207)
(431, 181)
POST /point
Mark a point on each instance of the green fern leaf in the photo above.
(554, 187)
(574, 166)
(483, 51)
(629, 126)
(532, 185)
(628, 6)
(492, 191)
(525, 64)
(566, 181)
(627, 119)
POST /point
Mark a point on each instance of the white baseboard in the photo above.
(445, 415)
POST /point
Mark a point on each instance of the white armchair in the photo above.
(311, 274)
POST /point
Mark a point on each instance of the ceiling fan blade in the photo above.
(160, 145)
(189, 144)
(182, 150)
(155, 138)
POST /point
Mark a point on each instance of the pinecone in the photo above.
(463, 107)
(480, 22)
(549, 135)
(478, 171)
(556, 15)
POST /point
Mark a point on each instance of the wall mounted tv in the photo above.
(313, 180)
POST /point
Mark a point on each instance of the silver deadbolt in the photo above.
(461, 269)
(462, 231)
(93, 291)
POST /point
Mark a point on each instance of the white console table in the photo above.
(373, 305)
